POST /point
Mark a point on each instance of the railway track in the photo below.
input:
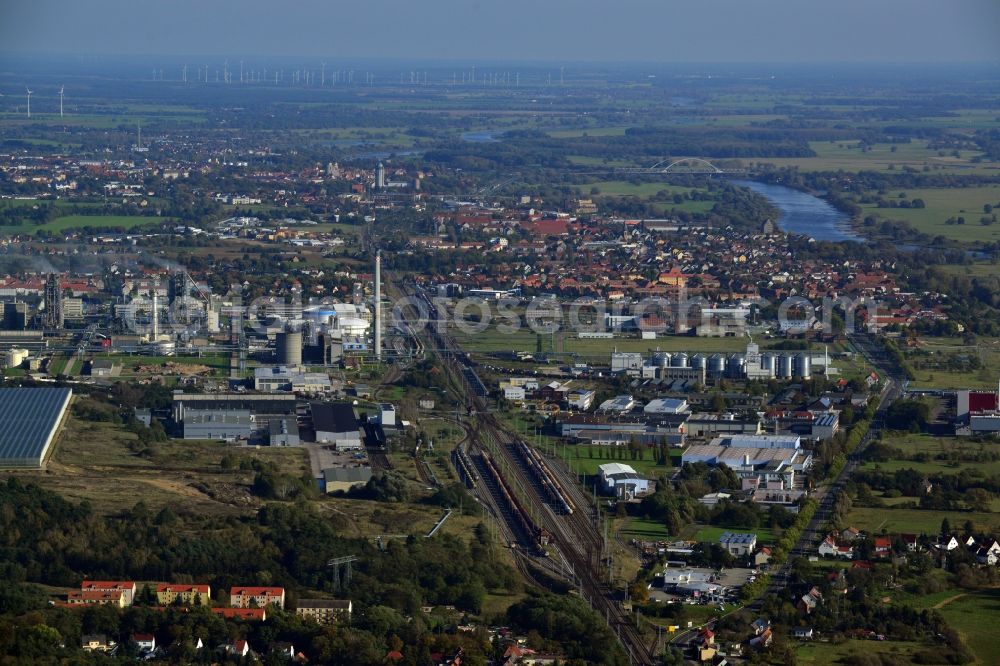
(570, 529)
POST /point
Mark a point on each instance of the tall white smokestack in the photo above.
(155, 315)
(378, 305)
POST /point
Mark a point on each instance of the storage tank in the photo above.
(716, 366)
(288, 345)
(679, 360)
(767, 363)
(661, 359)
(736, 366)
(784, 367)
(802, 365)
(699, 361)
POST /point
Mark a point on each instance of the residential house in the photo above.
(239, 648)
(803, 633)
(808, 602)
(98, 643)
(325, 611)
(256, 597)
(832, 548)
(850, 534)
(144, 642)
(759, 626)
(883, 546)
(96, 597)
(127, 588)
(168, 593)
(249, 614)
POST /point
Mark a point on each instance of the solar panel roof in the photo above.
(28, 418)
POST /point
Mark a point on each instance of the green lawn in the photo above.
(581, 461)
(647, 530)
(711, 533)
(975, 617)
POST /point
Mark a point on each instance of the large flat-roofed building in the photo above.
(759, 441)
(258, 404)
(282, 378)
(768, 465)
(221, 424)
(31, 418)
(704, 425)
(336, 423)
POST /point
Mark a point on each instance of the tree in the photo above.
(978, 499)
(945, 527)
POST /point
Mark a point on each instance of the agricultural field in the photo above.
(849, 156)
(944, 203)
(916, 521)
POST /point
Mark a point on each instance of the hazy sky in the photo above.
(483, 30)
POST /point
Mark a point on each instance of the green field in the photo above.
(79, 221)
(671, 343)
(492, 340)
(815, 653)
(986, 349)
(975, 615)
(621, 188)
(848, 156)
(593, 131)
(916, 521)
(942, 203)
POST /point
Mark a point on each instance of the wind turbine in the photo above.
(62, 89)
(30, 92)
(322, 79)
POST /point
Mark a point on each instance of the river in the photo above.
(804, 214)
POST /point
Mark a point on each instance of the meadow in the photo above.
(849, 156)
(944, 203)
(974, 615)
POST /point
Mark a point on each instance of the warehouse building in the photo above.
(283, 431)
(623, 481)
(31, 418)
(256, 404)
(224, 424)
(336, 423)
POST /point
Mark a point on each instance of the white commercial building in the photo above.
(667, 406)
(623, 481)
